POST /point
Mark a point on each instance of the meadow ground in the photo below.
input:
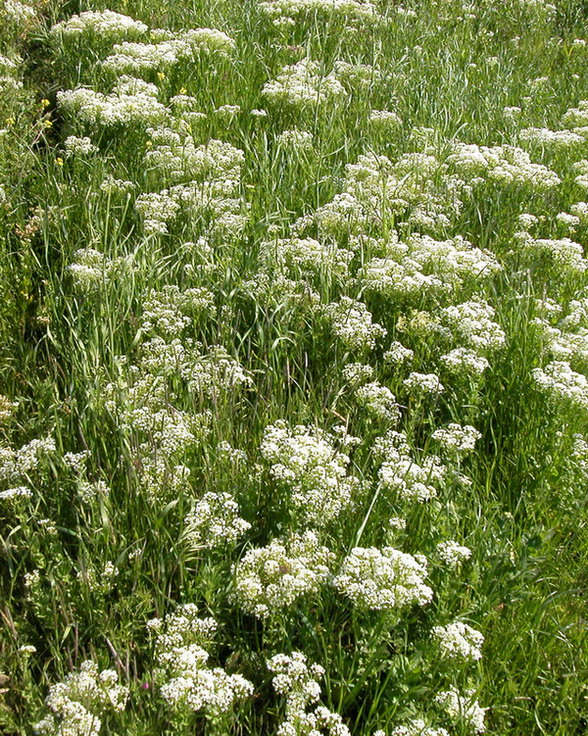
(293, 367)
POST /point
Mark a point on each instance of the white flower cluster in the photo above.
(423, 383)
(398, 354)
(457, 438)
(298, 681)
(422, 264)
(301, 85)
(307, 462)
(211, 176)
(465, 361)
(577, 316)
(19, 12)
(269, 579)
(227, 112)
(183, 47)
(227, 215)
(9, 64)
(141, 396)
(415, 727)
(298, 140)
(182, 627)
(105, 24)
(212, 374)
(16, 464)
(11, 68)
(579, 454)
(378, 401)
(92, 269)
(550, 139)
(564, 344)
(383, 579)
(76, 146)
(8, 83)
(358, 373)
(505, 165)
(352, 323)
(78, 701)
(90, 491)
(162, 433)
(157, 210)
(459, 641)
(452, 553)
(6, 406)
(356, 77)
(306, 255)
(275, 290)
(231, 454)
(582, 178)
(563, 252)
(99, 580)
(560, 382)
(568, 220)
(112, 186)
(10, 494)
(162, 477)
(343, 214)
(400, 279)
(384, 120)
(214, 522)
(401, 473)
(350, 9)
(417, 189)
(177, 158)
(215, 374)
(472, 323)
(576, 118)
(295, 678)
(463, 709)
(187, 680)
(187, 108)
(170, 310)
(122, 106)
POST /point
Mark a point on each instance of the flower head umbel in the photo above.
(78, 702)
(271, 578)
(463, 709)
(307, 462)
(298, 682)
(459, 641)
(187, 681)
(383, 579)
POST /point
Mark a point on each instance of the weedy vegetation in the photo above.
(293, 367)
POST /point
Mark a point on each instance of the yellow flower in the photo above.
(48, 123)
(160, 76)
(45, 102)
(59, 161)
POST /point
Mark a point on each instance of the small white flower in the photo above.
(383, 579)
(452, 553)
(459, 641)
